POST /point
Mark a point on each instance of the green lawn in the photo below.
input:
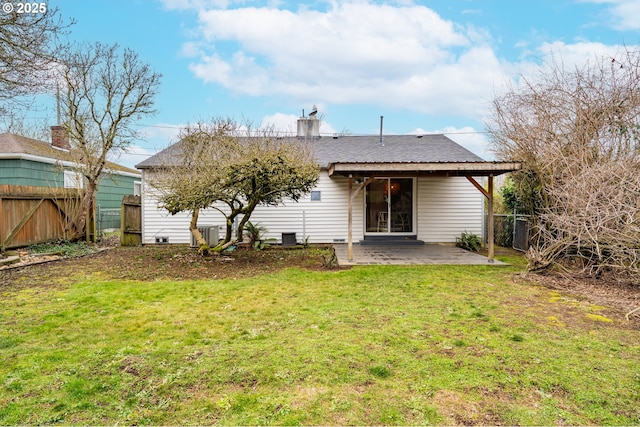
(370, 345)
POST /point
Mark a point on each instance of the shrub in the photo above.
(469, 241)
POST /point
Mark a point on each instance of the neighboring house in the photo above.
(398, 188)
(30, 162)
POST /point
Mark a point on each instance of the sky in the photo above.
(425, 66)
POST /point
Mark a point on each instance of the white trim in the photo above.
(73, 179)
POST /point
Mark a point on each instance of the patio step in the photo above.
(391, 241)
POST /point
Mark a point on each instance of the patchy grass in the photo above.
(370, 345)
(64, 248)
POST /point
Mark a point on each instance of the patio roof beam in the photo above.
(352, 196)
(424, 169)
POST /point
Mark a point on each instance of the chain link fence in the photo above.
(511, 231)
(107, 220)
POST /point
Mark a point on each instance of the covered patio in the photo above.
(366, 173)
(433, 253)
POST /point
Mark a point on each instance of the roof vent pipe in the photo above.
(381, 138)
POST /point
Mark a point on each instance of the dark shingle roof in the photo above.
(11, 144)
(393, 149)
(365, 149)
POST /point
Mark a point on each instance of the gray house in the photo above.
(404, 188)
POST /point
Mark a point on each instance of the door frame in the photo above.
(414, 209)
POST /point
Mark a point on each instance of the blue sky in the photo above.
(426, 66)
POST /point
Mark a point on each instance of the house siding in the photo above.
(448, 206)
(112, 188)
(30, 173)
(323, 221)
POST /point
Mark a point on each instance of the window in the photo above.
(73, 179)
(315, 196)
(137, 188)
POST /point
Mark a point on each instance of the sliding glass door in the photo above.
(389, 206)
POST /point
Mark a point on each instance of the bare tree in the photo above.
(576, 131)
(232, 169)
(106, 91)
(14, 120)
(29, 47)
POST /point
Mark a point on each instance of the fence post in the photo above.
(513, 234)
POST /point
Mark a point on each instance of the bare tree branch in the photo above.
(107, 91)
(30, 44)
(577, 132)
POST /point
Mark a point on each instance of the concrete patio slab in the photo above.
(407, 255)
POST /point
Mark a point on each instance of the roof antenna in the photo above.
(381, 138)
(58, 105)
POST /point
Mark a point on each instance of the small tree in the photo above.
(107, 91)
(233, 169)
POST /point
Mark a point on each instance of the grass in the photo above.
(370, 345)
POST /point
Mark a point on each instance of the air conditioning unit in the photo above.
(210, 235)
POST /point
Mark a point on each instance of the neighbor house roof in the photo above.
(14, 146)
(394, 154)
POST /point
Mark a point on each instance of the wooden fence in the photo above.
(131, 221)
(30, 215)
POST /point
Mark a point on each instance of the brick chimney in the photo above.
(59, 138)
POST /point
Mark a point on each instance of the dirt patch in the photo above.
(177, 262)
(623, 297)
(162, 262)
(458, 410)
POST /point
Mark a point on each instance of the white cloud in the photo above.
(161, 134)
(578, 53)
(133, 155)
(625, 14)
(152, 139)
(406, 57)
(468, 137)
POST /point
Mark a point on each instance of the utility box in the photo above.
(289, 239)
(210, 235)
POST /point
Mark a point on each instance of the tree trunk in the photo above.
(203, 246)
(81, 221)
(247, 211)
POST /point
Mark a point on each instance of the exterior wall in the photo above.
(112, 188)
(324, 221)
(448, 206)
(30, 173)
